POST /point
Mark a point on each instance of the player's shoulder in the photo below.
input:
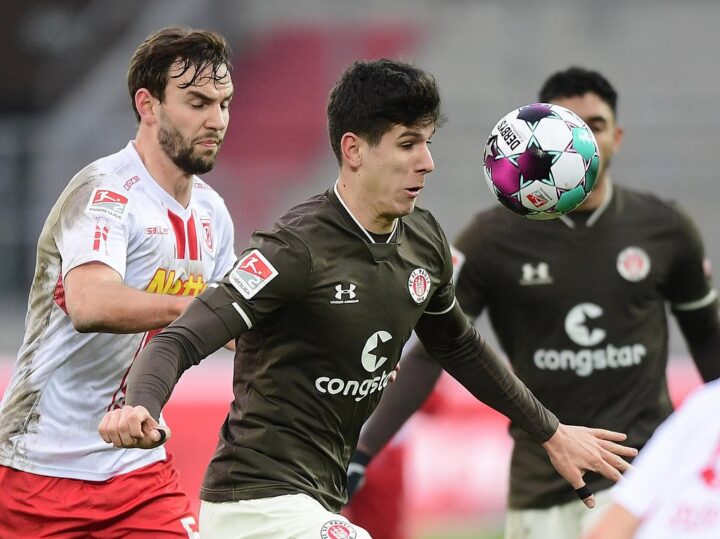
(103, 179)
(202, 189)
(494, 223)
(312, 215)
(423, 219)
(704, 397)
(117, 171)
(644, 202)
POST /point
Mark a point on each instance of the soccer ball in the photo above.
(541, 161)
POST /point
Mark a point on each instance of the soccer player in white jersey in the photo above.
(132, 239)
(673, 491)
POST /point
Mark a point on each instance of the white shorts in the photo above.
(570, 520)
(293, 516)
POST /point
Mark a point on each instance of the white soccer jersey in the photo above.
(674, 486)
(64, 382)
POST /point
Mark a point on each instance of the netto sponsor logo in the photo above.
(166, 281)
(370, 362)
(585, 361)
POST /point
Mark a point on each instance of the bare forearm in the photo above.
(117, 308)
(616, 523)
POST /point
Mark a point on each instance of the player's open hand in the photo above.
(576, 450)
(132, 426)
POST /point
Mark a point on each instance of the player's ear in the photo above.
(619, 133)
(144, 103)
(350, 147)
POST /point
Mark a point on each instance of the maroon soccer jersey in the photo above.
(579, 306)
(330, 311)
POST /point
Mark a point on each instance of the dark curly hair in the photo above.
(576, 81)
(192, 49)
(372, 96)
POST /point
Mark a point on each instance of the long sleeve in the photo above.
(456, 345)
(197, 333)
(401, 399)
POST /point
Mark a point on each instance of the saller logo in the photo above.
(252, 273)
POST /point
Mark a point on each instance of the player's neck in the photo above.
(167, 174)
(598, 196)
(362, 209)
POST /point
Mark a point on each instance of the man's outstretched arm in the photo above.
(198, 332)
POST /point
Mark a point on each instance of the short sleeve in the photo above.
(226, 256)
(469, 283)
(93, 227)
(688, 284)
(444, 297)
(657, 471)
(273, 271)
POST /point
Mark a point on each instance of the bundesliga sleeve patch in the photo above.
(252, 273)
(107, 203)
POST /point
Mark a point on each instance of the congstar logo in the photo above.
(582, 325)
(371, 358)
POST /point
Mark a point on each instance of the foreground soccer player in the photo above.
(602, 279)
(322, 306)
(128, 230)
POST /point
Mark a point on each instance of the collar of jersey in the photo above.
(362, 228)
(157, 190)
(597, 212)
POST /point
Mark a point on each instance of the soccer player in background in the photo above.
(579, 306)
(321, 306)
(133, 237)
(673, 489)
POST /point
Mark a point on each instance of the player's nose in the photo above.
(426, 163)
(217, 118)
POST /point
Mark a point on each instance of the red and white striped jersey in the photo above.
(63, 381)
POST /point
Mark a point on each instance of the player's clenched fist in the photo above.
(132, 426)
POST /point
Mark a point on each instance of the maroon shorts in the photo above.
(146, 503)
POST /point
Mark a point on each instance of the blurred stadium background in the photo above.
(63, 103)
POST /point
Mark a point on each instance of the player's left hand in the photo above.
(575, 450)
(133, 426)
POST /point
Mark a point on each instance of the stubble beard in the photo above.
(183, 153)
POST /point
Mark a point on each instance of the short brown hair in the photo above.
(197, 49)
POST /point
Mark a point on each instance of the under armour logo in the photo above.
(532, 275)
(345, 293)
